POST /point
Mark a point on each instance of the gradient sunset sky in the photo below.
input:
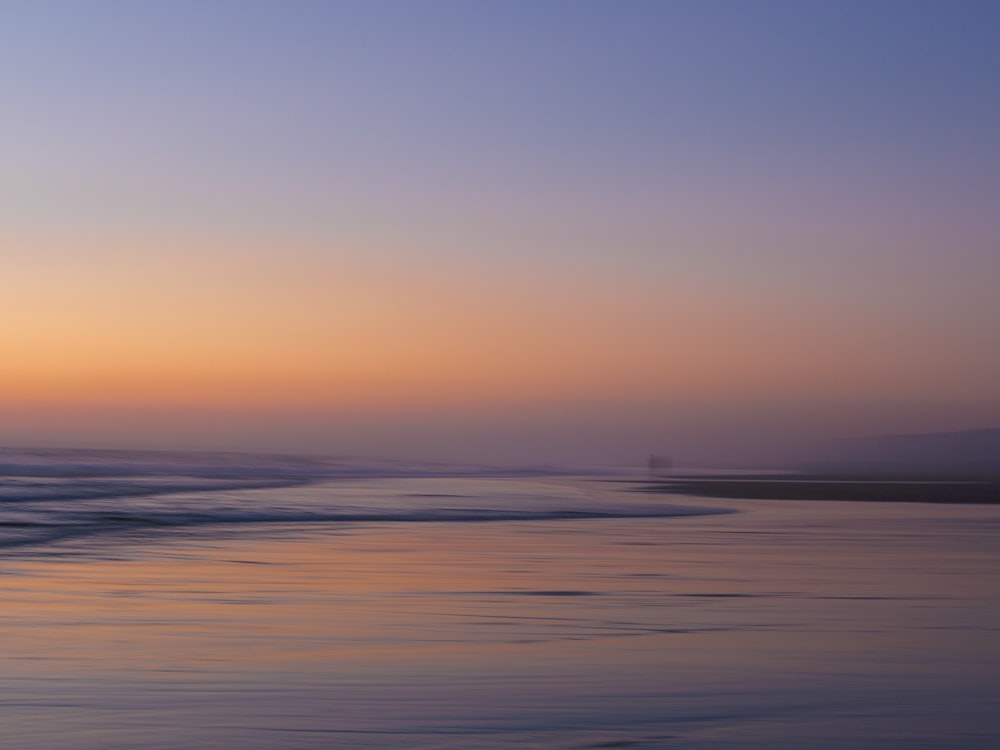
(556, 230)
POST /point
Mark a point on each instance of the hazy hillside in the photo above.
(967, 453)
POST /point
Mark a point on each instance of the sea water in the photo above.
(224, 601)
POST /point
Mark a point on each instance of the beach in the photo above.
(948, 491)
(774, 625)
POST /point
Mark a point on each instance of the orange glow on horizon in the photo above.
(239, 325)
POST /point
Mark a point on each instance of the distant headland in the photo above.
(960, 455)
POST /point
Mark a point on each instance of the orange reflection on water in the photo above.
(402, 627)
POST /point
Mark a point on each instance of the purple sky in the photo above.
(564, 229)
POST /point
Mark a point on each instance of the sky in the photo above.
(557, 231)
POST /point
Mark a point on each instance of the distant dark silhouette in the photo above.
(659, 466)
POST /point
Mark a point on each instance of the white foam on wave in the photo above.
(79, 463)
(51, 495)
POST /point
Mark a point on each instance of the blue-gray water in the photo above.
(221, 602)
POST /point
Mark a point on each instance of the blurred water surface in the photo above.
(783, 625)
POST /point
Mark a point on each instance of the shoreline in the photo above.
(807, 487)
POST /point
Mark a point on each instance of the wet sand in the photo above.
(798, 487)
(798, 626)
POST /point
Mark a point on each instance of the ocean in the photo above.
(222, 601)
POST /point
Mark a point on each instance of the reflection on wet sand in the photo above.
(813, 625)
